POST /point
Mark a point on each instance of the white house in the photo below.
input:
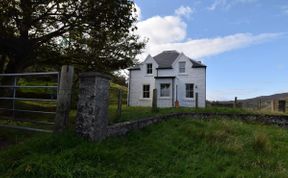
(177, 78)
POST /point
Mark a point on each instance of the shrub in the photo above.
(261, 142)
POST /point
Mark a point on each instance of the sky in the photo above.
(244, 43)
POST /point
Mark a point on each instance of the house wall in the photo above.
(197, 76)
(138, 78)
(164, 101)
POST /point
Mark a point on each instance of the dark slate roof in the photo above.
(166, 59)
(196, 64)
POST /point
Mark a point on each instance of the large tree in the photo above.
(91, 34)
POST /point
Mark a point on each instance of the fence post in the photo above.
(260, 104)
(119, 106)
(14, 96)
(154, 101)
(273, 105)
(92, 108)
(196, 100)
(235, 103)
(64, 98)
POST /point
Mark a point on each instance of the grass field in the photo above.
(176, 148)
(12, 136)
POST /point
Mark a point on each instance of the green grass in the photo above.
(23, 82)
(128, 114)
(14, 136)
(134, 113)
(176, 148)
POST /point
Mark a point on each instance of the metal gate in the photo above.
(15, 111)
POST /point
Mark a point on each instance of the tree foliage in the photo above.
(91, 34)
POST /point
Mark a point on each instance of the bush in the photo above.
(261, 142)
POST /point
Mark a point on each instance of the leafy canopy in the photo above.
(91, 34)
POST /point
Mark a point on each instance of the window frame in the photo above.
(182, 67)
(189, 90)
(145, 91)
(149, 69)
(168, 89)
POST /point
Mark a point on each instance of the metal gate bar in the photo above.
(14, 98)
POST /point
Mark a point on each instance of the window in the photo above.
(189, 90)
(149, 68)
(146, 91)
(165, 89)
(182, 67)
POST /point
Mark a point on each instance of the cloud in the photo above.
(284, 10)
(170, 33)
(216, 4)
(184, 11)
(200, 48)
(138, 12)
(227, 4)
(161, 30)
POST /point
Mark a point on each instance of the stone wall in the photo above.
(92, 123)
(124, 127)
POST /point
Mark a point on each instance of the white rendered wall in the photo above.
(138, 78)
(164, 101)
(197, 76)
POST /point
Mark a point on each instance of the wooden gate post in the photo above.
(235, 103)
(273, 105)
(64, 98)
(154, 101)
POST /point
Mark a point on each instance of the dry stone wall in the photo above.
(124, 127)
(92, 111)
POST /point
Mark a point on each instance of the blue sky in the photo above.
(244, 43)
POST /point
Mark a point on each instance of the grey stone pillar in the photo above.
(92, 106)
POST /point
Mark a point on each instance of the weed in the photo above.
(261, 142)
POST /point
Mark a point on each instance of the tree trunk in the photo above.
(12, 67)
(2, 63)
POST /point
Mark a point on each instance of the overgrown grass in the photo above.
(176, 148)
(133, 113)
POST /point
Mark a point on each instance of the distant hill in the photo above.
(268, 98)
(263, 102)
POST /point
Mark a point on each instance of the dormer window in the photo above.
(182, 67)
(149, 68)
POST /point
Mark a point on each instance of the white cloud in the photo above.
(161, 30)
(169, 33)
(138, 12)
(284, 10)
(216, 4)
(184, 11)
(227, 4)
(199, 48)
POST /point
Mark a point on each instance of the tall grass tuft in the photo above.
(261, 142)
